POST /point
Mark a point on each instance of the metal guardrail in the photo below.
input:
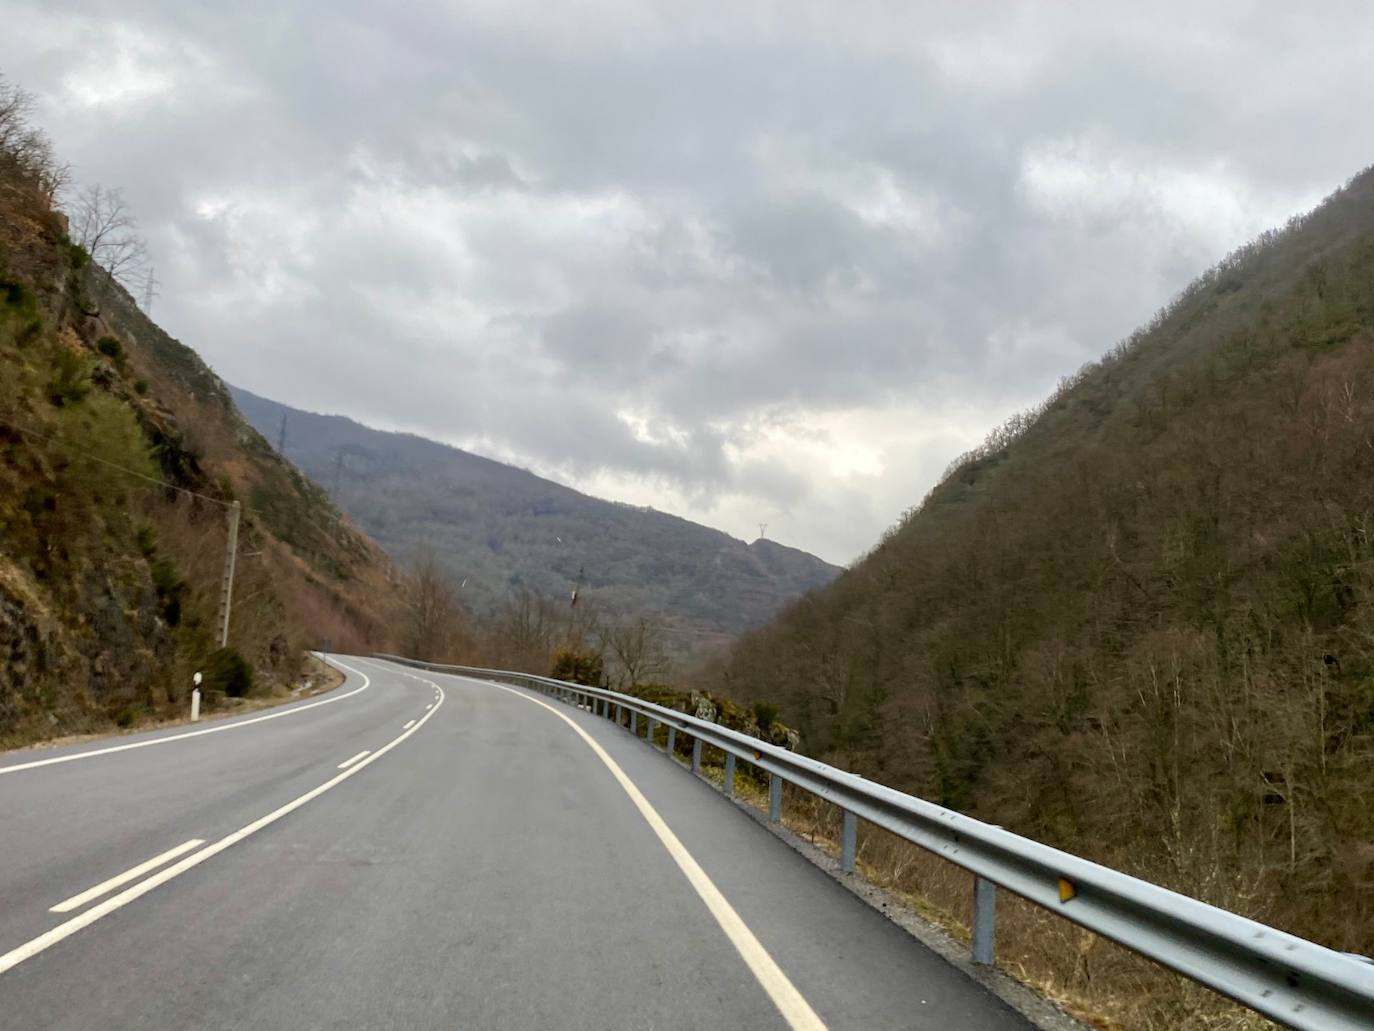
(1287, 978)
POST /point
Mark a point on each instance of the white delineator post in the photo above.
(195, 698)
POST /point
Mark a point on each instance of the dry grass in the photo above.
(317, 678)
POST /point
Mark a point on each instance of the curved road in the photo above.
(483, 865)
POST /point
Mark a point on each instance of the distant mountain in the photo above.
(501, 528)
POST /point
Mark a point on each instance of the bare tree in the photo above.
(27, 163)
(637, 648)
(107, 229)
(524, 630)
(433, 623)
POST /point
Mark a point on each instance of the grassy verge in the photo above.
(317, 678)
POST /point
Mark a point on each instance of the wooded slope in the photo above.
(1139, 622)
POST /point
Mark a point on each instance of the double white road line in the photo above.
(105, 887)
(44, 941)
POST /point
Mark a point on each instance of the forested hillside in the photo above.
(498, 529)
(120, 452)
(1138, 623)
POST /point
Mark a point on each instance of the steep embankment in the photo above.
(1139, 622)
(501, 528)
(119, 451)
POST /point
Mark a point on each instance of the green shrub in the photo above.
(111, 348)
(29, 331)
(17, 297)
(79, 256)
(147, 540)
(765, 713)
(141, 386)
(578, 668)
(71, 379)
(171, 589)
(228, 671)
(104, 443)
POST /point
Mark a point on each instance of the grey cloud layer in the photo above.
(657, 249)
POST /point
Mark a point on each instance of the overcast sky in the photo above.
(743, 262)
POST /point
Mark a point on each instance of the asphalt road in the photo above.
(485, 865)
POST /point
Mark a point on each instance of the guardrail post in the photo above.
(729, 785)
(696, 755)
(774, 798)
(617, 714)
(672, 741)
(849, 840)
(984, 920)
(653, 729)
(634, 723)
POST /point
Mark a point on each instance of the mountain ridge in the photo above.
(502, 528)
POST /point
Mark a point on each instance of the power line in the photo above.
(52, 439)
(150, 285)
(114, 465)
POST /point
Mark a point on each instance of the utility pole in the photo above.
(281, 437)
(227, 591)
(149, 291)
(338, 472)
(763, 528)
(572, 609)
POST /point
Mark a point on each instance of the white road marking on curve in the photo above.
(409, 725)
(133, 873)
(189, 733)
(33, 947)
(349, 762)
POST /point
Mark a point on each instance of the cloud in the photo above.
(747, 262)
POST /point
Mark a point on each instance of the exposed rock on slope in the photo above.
(109, 578)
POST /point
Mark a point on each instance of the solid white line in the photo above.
(32, 948)
(191, 733)
(409, 725)
(790, 1003)
(77, 901)
(349, 762)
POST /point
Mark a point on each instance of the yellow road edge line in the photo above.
(789, 1001)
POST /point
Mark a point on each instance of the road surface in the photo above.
(415, 850)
